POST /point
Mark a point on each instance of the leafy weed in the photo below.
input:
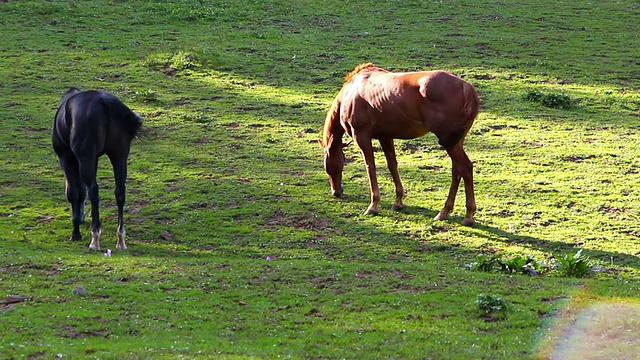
(552, 100)
(574, 265)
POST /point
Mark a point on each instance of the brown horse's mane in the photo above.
(362, 67)
(333, 114)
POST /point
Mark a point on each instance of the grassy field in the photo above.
(236, 248)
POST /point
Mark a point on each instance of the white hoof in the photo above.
(95, 240)
(441, 216)
(120, 245)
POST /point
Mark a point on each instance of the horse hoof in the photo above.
(75, 237)
(468, 222)
(120, 244)
(441, 216)
(397, 207)
(94, 247)
(371, 212)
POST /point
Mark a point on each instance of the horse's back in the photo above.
(406, 105)
(388, 88)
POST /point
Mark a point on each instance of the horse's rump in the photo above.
(97, 111)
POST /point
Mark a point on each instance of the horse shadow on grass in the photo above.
(496, 234)
(554, 247)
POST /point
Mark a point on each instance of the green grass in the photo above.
(227, 172)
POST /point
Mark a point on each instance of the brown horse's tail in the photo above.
(470, 111)
(331, 122)
(471, 103)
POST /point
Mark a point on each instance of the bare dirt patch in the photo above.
(71, 332)
(12, 300)
(308, 221)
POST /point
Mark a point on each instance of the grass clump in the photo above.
(571, 265)
(552, 100)
(146, 95)
(171, 63)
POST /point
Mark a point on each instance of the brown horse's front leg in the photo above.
(451, 198)
(364, 142)
(392, 163)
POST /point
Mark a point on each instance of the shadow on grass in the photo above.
(557, 248)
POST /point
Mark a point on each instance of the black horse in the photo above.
(87, 125)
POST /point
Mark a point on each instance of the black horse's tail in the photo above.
(120, 113)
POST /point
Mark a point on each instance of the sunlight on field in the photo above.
(602, 330)
(252, 88)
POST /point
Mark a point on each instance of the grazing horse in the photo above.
(377, 104)
(87, 125)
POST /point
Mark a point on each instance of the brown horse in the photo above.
(377, 104)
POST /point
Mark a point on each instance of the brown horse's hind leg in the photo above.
(364, 142)
(462, 168)
(392, 163)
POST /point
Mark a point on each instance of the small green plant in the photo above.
(553, 100)
(574, 265)
(519, 265)
(484, 263)
(492, 306)
(515, 265)
(146, 95)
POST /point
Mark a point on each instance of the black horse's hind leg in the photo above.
(75, 192)
(120, 173)
(88, 170)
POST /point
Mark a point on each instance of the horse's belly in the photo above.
(401, 133)
(399, 128)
